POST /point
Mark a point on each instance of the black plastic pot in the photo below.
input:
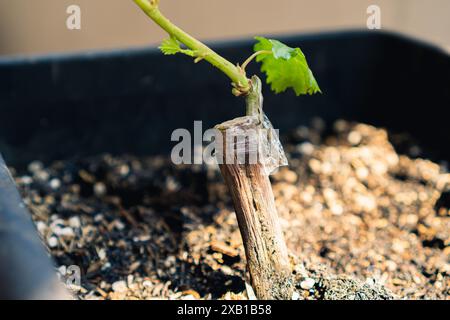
(130, 101)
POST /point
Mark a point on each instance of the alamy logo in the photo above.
(374, 18)
(71, 276)
(73, 21)
(248, 143)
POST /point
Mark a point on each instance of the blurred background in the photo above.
(39, 27)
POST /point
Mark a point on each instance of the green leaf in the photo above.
(285, 68)
(172, 46)
(280, 50)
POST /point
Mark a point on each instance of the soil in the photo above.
(361, 221)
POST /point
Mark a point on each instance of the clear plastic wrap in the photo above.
(271, 147)
(248, 141)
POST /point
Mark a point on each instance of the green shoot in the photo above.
(285, 67)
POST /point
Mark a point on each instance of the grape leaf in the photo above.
(172, 46)
(285, 68)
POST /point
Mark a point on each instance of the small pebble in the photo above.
(340, 125)
(74, 222)
(362, 173)
(337, 209)
(35, 166)
(41, 175)
(302, 132)
(55, 184)
(130, 279)
(354, 137)
(315, 165)
(289, 176)
(172, 185)
(295, 295)
(101, 254)
(99, 189)
(307, 284)
(41, 226)
(52, 242)
(124, 170)
(120, 286)
(318, 124)
(107, 265)
(306, 148)
(119, 225)
(63, 232)
(26, 180)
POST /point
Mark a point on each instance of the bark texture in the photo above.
(267, 258)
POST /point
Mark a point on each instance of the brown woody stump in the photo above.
(267, 257)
